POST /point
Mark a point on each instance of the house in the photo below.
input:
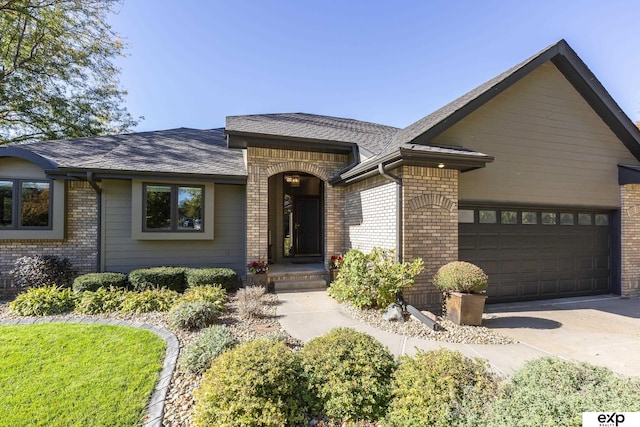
(534, 176)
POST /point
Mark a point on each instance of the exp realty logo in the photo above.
(611, 419)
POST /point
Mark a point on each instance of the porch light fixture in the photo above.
(293, 180)
(440, 165)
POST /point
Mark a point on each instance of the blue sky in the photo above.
(191, 63)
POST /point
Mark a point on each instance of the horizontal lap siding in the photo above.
(549, 146)
(122, 253)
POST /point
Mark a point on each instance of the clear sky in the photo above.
(191, 63)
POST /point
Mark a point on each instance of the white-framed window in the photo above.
(164, 210)
(26, 204)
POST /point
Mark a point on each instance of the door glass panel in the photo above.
(529, 217)
(487, 217)
(6, 203)
(549, 218)
(509, 217)
(584, 219)
(35, 204)
(567, 219)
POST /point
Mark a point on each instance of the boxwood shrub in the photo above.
(349, 375)
(254, 384)
(95, 281)
(172, 278)
(439, 388)
(43, 301)
(550, 392)
(460, 276)
(225, 277)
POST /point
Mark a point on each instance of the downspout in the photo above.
(92, 182)
(399, 227)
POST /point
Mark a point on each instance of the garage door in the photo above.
(537, 253)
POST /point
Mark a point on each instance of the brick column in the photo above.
(430, 227)
(630, 239)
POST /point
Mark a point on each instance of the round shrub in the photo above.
(460, 276)
(44, 301)
(255, 384)
(207, 293)
(211, 343)
(439, 388)
(547, 391)
(349, 374)
(95, 281)
(43, 270)
(149, 300)
(158, 277)
(225, 277)
(194, 315)
(101, 301)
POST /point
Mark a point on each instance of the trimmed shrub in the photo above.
(43, 270)
(255, 384)
(95, 281)
(211, 343)
(550, 392)
(149, 300)
(43, 301)
(101, 301)
(225, 277)
(435, 389)
(249, 301)
(172, 278)
(194, 315)
(373, 280)
(348, 374)
(207, 293)
(460, 276)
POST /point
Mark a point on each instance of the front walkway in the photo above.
(600, 330)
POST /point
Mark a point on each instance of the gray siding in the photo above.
(550, 147)
(122, 253)
(370, 214)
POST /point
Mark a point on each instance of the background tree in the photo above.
(57, 78)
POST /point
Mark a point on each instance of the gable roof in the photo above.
(181, 151)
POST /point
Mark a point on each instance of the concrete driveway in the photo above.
(602, 330)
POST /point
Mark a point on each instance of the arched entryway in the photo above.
(296, 218)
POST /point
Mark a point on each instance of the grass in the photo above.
(65, 374)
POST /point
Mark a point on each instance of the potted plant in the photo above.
(464, 285)
(258, 270)
(334, 266)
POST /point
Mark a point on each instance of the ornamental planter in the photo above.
(334, 274)
(260, 279)
(465, 309)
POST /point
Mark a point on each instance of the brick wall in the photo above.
(630, 239)
(265, 162)
(370, 214)
(430, 231)
(80, 242)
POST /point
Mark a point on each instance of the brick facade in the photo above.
(263, 163)
(370, 214)
(630, 239)
(430, 227)
(80, 244)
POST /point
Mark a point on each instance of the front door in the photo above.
(307, 226)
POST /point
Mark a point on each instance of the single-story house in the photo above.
(534, 176)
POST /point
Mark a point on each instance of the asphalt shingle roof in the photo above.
(182, 150)
(370, 136)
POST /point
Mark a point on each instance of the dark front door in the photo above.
(307, 224)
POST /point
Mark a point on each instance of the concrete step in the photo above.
(298, 284)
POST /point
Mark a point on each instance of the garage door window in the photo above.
(549, 218)
(584, 219)
(529, 217)
(602, 219)
(509, 217)
(487, 217)
(567, 219)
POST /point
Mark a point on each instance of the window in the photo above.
(566, 219)
(549, 218)
(602, 219)
(529, 217)
(25, 204)
(487, 217)
(584, 219)
(173, 208)
(466, 216)
(509, 217)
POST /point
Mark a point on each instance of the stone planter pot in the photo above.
(334, 274)
(465, 309)
(260, 279)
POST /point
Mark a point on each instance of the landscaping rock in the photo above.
(393, 313)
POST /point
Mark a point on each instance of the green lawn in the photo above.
(66, 374)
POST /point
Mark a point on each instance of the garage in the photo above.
(537, 253)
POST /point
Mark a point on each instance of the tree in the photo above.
(57, 78)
